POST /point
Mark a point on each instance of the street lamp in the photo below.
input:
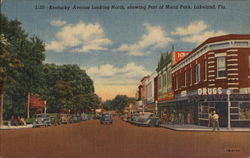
(45, 106)
(229, 107)
(156, 108)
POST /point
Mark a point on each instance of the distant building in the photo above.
(151, 86)
(142, 94)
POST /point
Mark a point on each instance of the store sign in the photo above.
(209, 91)
(177, 56)
(166, 96)
(183, 93)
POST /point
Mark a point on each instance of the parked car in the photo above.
(134, 118)
(106, 119)
(55, 119)
(73, 118)
(42, 120)
(147, 119)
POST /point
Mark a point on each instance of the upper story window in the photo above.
(197, 73)
(241, 43)
(219, 45)
(159, 84)
(205, 70)
(164, 80)
(191, 80)
(185, 79)
(221, 67)
(169, 80)
(176, 81)
(249, 65)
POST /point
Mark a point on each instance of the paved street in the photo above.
(120, 140)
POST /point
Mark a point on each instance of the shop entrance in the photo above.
(222, 110)
(205, 108)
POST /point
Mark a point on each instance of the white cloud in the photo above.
(155, 38)
(55, 46)
(110, 80)
(198, 38)
(58, 23)
(193, 28)
(81, 38)
(196, 32)
(129, 71)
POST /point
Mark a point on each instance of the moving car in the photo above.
(42, 119)
(106, 119)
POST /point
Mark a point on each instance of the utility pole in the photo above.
(28, 106)
(1, 110)
(229, 107)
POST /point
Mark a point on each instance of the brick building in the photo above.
(215, 76)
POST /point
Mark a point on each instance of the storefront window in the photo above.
(244, 113)
(221, 67)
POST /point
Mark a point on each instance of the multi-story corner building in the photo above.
(215, 76)
(151, 86)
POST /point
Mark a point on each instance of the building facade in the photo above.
(165, 90)
(142, 94)
(215, 76)
(151, 87)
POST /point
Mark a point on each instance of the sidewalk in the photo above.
(16, 127)
(197, 128)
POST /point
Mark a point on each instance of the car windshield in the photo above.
(106, 115)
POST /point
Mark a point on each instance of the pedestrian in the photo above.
(188, 118)
(215, 121)
(210, 119)
(173, 117)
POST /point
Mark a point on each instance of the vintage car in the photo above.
(106, 119)
(134, 118)
(55, 119)
(42, 119)
(147, 119)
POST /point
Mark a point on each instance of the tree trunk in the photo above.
(1, 103)
(28, 106)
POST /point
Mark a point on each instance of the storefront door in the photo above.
(221, 109)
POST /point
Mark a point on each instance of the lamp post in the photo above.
(156, 108)
(45, 106)
(229, 107)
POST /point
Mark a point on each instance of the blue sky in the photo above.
(118, 47)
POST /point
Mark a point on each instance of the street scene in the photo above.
(121, 79)
(120, 139)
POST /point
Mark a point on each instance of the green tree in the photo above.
(119, 102)
(20, 65)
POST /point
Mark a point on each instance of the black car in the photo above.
(106, 119)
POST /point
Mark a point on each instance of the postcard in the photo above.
(125, 79)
